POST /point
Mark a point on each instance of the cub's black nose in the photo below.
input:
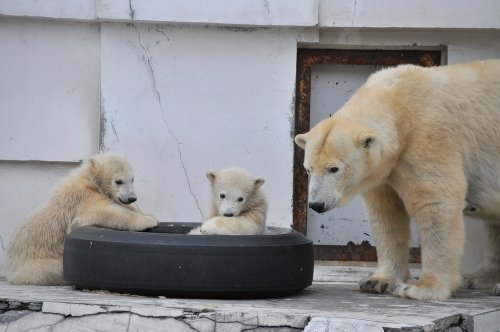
(317, 206)
(228, 215)
(131, 200)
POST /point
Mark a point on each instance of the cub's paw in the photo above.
(374, 285)
(146, 222)
(214, 226)
(195, 231)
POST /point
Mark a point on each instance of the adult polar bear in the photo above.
(423, 143)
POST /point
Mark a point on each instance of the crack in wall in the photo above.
(147, 61)
(354, 12)
(131, 10)
(114, 131)
(266, 6)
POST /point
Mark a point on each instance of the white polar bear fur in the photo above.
(238, 205)
(423, 143)
(97, 193)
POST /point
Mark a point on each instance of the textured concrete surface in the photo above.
(332, 303)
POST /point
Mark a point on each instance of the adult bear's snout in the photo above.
(317, 206)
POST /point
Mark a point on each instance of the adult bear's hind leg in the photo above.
(487, 275)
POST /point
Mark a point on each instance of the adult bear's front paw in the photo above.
(374, 285)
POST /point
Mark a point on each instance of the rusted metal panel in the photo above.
(355, 252)
(306, 58)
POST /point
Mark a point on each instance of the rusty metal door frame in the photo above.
(306, 58)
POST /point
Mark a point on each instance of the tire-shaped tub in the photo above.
(166, 261)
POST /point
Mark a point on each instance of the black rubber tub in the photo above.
(166, 261)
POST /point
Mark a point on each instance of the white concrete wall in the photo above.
(427, 14)
(49, 83)
(185, 88)
(182, 100)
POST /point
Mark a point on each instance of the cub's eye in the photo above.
(222, 196)
(308, 171)
(240, 199)
(333, 170)
(119, 182)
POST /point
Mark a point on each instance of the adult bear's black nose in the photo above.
(131, 200)
(317, 206)
(228, 214)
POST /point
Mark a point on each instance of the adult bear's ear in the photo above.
(301, 140)
(366, 140)
(211, 176)
(258, 182)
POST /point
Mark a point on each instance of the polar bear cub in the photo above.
(238, 206)
(97, 193)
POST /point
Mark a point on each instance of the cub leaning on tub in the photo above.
(238, 206)
(97, 193)
(420, 142)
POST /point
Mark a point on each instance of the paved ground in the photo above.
(332, 303)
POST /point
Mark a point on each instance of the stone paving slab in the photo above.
(325, 306)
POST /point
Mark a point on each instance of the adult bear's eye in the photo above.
(240, 199)
(334, 170)
(222, 196)
(119, 182)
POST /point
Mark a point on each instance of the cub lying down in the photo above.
(238, 204)
(97, 193)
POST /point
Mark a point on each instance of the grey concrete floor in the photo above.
(332, 303)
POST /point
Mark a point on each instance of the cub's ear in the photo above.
(211, 176)
(258, 182)
(93, 162)
(366, 140)
(301, 140)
